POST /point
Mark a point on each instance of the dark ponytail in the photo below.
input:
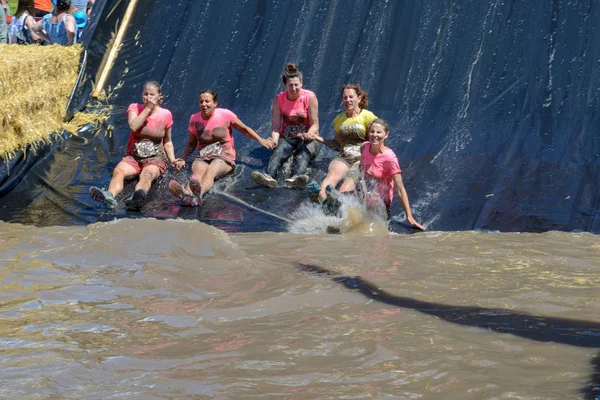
(291, 71)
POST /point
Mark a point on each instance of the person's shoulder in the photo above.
(368, 114)
(391, 161)
(390, 155)
(166, 112)
(227, 113)
(166, 116)
(135, 107)
(196, 116)
(220, 110)
(340, 117)
(70, 19)
(308, 93)
(279, 96)
(365, 117)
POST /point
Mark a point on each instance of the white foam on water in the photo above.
(309, 218)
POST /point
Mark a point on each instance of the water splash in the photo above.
(355, 219)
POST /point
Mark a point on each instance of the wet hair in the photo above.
(291, 71)
(212, 92)
(364, 102)
(157, 86)
(381, 122)
(63, 5)
(25, 5)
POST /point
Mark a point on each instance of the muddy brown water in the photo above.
(178, 309)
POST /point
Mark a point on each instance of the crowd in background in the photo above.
(44, 21)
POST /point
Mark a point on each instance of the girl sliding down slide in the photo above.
(148, 150)
(210, 131)
(379, 164)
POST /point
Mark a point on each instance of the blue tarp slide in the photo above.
(492, 105)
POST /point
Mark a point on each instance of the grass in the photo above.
(12, 5)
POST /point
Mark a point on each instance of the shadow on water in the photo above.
(572, 332)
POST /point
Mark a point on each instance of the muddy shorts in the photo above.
(349, 155)
(216, 151)
(160, 160)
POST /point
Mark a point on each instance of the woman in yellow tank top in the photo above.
(350, 131)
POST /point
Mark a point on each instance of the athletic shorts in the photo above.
(160, 160)
(349, 155)
(208, 159)
(353, 169)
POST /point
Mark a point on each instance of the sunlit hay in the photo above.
(95, 116)
(35, 86)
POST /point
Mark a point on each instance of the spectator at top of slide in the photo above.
(79, 5)
(58, 27)
(21, 25)
(42, 7)
(80, 22)
(3, 26)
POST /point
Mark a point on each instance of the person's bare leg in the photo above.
(336, 172)
(199, 168)
(121, 172)
(147, 176)
(348, 185)
(216, 169)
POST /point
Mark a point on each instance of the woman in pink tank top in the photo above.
(210, 131)
(295, 124)
(148, 150)
(381, 170)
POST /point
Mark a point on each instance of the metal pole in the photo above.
(115, 49)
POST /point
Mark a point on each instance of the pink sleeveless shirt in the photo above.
(295, 112)
(381, 168)
(154, 128)
(214, 135)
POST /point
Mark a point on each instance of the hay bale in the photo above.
(95, 115)
(35, 85)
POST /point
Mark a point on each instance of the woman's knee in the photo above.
(312, 148)
(279, 153)
(199, 168)
(215, 169)
(219, 168)
(304, 154)
(337, 168)
(150, 173)
(348, 185)
(123, 172)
